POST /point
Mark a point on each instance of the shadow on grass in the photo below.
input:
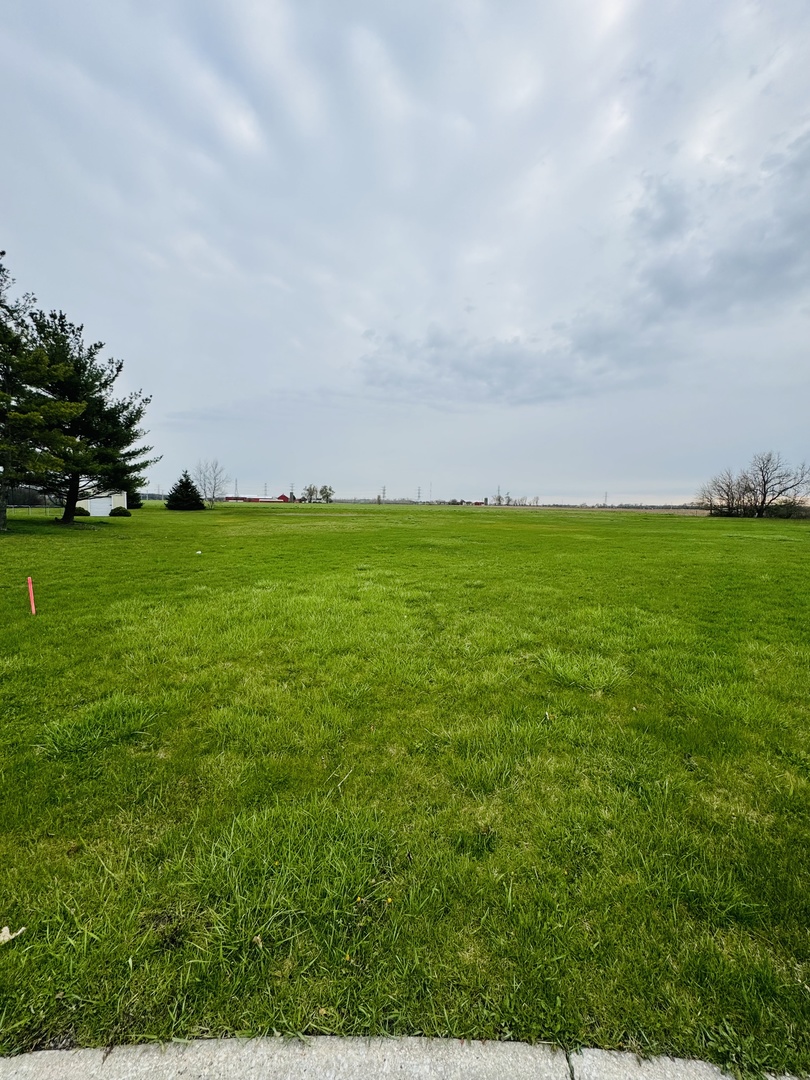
(44, 526)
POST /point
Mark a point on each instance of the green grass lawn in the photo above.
(363, 770)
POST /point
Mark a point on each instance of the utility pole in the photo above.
(236, 487)
(419, 494)
(265, 489)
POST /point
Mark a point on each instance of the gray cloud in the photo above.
(748, 246)
(590, 357)
(663, 214)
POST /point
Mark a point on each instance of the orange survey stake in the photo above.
(31, 596)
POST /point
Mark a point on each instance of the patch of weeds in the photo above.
(799, 761)
(482, 777)
(95, 727)
(586, 671)
(744, 1056)
(475, 843)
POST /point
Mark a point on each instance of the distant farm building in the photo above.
(255, 499)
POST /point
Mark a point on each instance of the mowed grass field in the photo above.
(501, 774)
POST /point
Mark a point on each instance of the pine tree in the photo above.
(184, 495)
(102, 454)
(32, 418)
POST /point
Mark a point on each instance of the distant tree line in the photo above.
(62, 429)
(25, 495)
(312, 493)
(768, 487)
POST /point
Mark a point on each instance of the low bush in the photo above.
(120, 511)
(81, 512)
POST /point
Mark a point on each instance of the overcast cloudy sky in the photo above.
(560, 247)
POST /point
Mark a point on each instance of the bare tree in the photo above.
(769, 482)
(327, 493)
(310, 493)
(724, 494)
(211, 481)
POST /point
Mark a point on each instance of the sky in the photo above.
(443, 247)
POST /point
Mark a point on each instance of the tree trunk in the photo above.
(71, 498)
(2, 509)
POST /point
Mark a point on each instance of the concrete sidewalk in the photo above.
(329, 1058)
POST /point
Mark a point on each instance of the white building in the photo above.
(101, 505)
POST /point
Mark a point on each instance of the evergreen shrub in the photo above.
(184, 495)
